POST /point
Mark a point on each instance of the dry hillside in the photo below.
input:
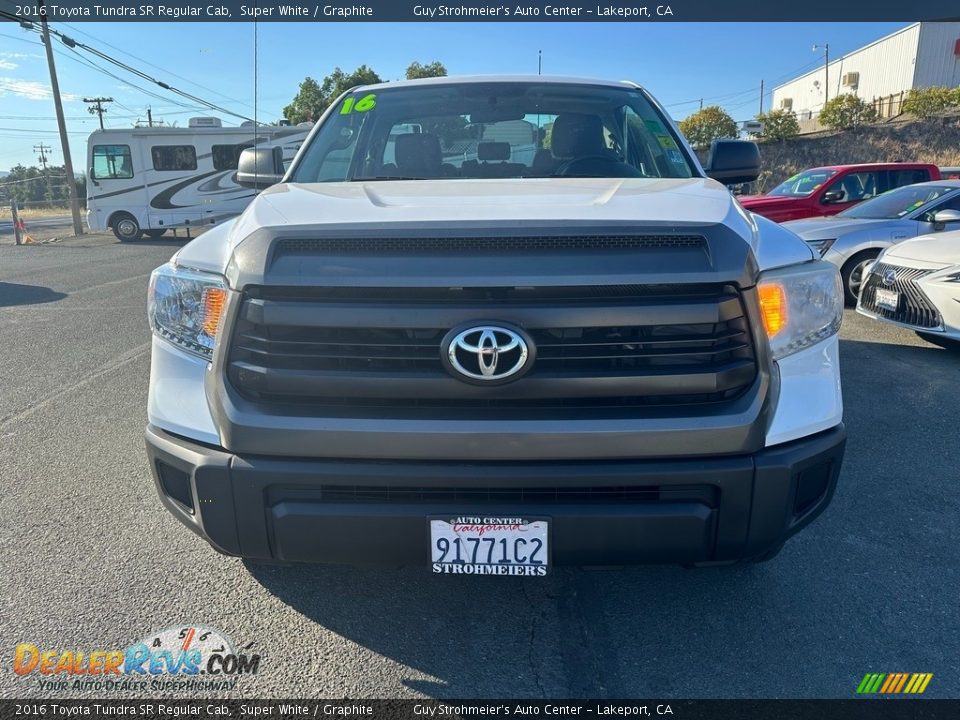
(936, 141)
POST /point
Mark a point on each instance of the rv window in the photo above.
(174, 157)
(226, 157)
(112, 162)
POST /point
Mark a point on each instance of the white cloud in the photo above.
(30, 90)
(20, 56)
(7, 65)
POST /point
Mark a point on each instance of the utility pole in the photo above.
(149, 117)
(701, 103)
(539, 62)
(62, 124)
(761, 98)
(99, 110)
(826, 70)
(42, 150)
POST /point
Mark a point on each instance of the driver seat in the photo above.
(577, 135)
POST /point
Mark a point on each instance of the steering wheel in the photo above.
(597, 166)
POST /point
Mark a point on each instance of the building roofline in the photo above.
(844, 57)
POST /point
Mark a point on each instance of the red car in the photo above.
(828, 190)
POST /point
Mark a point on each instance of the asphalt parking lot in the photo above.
(88, 559)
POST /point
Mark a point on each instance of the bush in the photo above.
(778, 125)
(846, 111)
(927, 102)
(711, 123)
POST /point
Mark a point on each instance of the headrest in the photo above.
(493, 151)
(575, 135)
(418, 150)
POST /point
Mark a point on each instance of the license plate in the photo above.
(469, 545)
(887, 299)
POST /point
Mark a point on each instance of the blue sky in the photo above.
(678, 62)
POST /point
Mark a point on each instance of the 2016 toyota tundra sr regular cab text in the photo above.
(492, 325)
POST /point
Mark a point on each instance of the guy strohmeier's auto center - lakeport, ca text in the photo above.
(314, 11)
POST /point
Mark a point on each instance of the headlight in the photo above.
(953, 278)
(800, 306)
(185, 307)
(821, 246)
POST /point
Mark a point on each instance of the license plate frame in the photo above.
(887, 299)
(528, 528)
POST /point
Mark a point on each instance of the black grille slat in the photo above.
(914, 308)
(625, 346)
(493, 244)
(427, 495)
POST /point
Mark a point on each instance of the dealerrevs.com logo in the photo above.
(189, 657)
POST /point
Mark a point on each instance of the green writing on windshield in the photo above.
(364, 104)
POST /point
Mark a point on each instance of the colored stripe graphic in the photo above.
(894, 683)
(891, 679)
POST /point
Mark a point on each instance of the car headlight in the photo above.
(800, 306)
(955, 277)
(821, 246)
(185, 307)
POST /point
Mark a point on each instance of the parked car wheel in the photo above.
(157, 233)
(944, 342)
(852, 274)
(126, 227)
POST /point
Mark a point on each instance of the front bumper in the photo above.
(718, 509)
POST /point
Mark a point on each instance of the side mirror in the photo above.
(733, 161)
(832, 196)
(943, 217)
(260, 167)
(93, 178)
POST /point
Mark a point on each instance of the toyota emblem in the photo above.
(487, 353)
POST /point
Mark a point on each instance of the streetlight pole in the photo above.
(826, 70)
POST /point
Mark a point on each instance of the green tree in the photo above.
(927, 102)
(312, 98)
(778, 125)
(35, 185)
(435, 69)
(705, 126)
(845, 112)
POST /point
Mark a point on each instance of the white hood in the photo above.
(939, 249)
(671, 202)
(694, 200)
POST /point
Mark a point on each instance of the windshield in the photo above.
(896, 203)
(803, 184)
(493, 130)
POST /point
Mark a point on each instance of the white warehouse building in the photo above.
(925, 54)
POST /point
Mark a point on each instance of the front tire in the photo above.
(944, 342)
(126, 227)
(852, 274)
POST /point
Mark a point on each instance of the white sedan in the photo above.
(916, 284)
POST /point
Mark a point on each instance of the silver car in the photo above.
(855, 237)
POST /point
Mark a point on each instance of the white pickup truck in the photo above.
(493, 325)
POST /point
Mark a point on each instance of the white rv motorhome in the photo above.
(148, 180)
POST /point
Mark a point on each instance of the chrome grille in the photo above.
(913, 308)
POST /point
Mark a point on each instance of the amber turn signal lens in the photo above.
(213, 301)
(773, 308)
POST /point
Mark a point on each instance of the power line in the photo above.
(71, 43)
(147, 62)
